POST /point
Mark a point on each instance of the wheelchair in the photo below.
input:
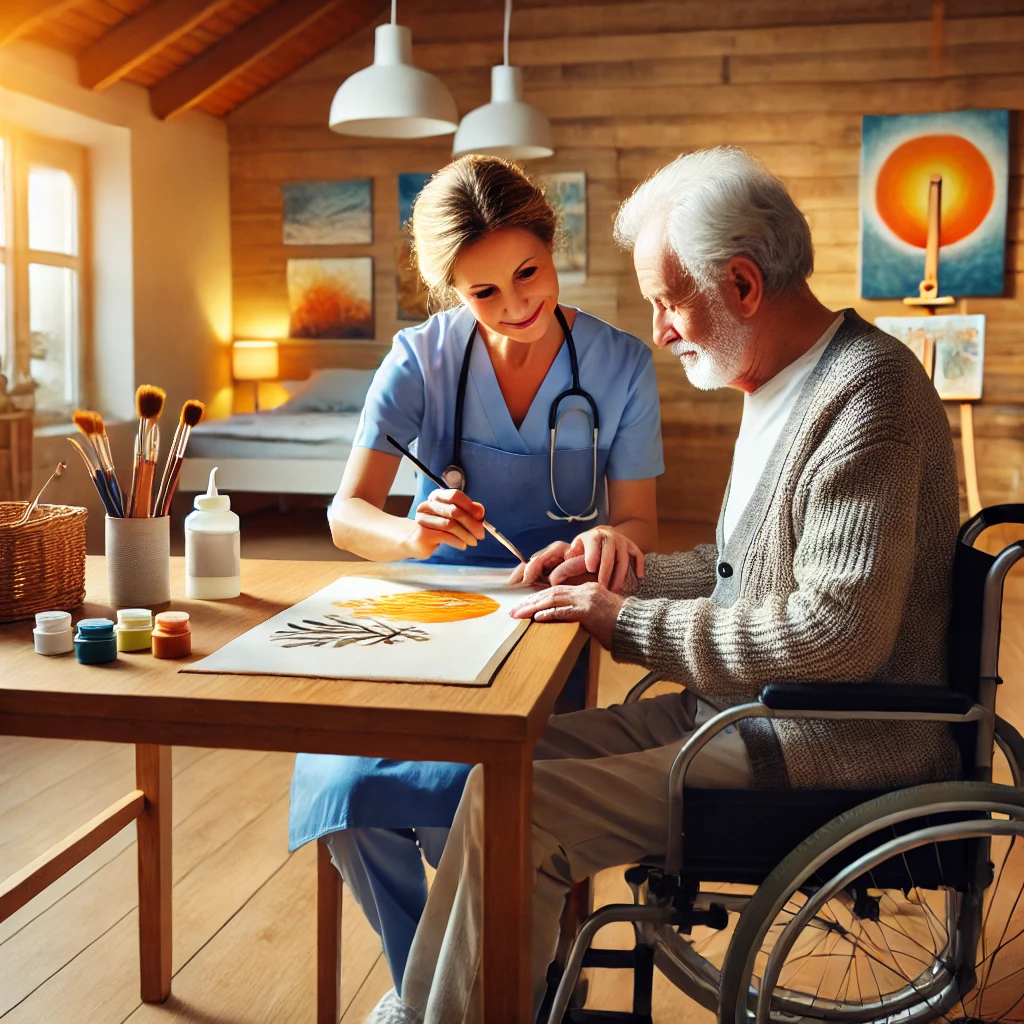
(854, 906)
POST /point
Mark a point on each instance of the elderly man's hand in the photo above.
(594, 607)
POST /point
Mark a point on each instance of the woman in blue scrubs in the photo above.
(484, 235)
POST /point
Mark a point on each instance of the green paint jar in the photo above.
(134, 629)
(94, 642)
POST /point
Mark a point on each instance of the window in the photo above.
(42, 271)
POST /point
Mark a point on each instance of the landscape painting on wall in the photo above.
(568, 194)
(411, 291)
(328, 212)
(954, 344)
(331, 298)
(969, 150)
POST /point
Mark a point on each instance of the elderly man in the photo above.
(833, 562)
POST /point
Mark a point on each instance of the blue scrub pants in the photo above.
(382, 867)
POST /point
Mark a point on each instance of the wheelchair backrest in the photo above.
(966, 628)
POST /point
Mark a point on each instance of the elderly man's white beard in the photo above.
(721, 358)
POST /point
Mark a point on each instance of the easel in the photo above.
(928, 298)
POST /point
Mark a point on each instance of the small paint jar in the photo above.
(172, 635)
(134, 627)
(94, 642)
(53, 633)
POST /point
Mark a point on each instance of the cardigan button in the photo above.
(724, 570)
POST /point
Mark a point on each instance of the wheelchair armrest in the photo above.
(881, 697)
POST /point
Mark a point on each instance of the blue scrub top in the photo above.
(412, 397)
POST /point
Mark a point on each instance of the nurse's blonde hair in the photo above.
(464, 202)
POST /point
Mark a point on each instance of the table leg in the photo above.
(508, 883)
(328, 937)
(153, 777)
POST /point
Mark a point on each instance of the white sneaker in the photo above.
(391, 1010)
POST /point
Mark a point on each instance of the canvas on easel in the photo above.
(389, 623)
(951, 348)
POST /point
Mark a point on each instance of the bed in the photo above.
(300, 447)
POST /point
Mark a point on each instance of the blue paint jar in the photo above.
(95, 642)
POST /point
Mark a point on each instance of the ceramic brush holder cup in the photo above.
(138, 561)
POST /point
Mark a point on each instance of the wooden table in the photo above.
(143, 701)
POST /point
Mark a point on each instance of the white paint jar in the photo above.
(53, 633)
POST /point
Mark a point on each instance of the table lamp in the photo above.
(255, 361)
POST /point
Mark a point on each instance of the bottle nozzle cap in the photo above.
(212, 500)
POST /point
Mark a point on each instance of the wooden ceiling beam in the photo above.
(18, 17)
(135, 40)
(251, 42)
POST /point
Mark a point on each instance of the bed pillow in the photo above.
(334, 390)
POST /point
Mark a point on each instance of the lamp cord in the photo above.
(508, 26)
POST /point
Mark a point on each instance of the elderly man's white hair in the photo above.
(720, 203)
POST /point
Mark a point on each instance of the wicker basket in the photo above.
(42, 562)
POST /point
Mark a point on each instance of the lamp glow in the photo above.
(255, 361)
(391, 98)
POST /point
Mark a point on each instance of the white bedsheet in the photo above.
(306, 428)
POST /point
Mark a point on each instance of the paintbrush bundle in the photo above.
(139, 501)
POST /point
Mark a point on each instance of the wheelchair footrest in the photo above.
(610, 959)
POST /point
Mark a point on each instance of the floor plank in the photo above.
(101, 983)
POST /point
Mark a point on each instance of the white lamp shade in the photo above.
(254, 360)
(506, 126)
(391, 99)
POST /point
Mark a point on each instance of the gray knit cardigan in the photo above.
(839, 570)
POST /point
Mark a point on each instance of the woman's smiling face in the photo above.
(509, 282)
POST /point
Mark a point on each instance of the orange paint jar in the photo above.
(172, 635)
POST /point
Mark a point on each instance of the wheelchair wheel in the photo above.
(906, 909)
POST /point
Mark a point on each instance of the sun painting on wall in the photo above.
(969, 150)
(330, 298)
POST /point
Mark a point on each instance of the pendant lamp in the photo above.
(507, 126)
(391, 99)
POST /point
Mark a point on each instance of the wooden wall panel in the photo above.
(628, 87)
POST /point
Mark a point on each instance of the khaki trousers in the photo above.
(600, 799)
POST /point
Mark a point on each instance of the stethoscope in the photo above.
(455, 476)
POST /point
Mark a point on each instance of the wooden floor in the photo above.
(244, 909)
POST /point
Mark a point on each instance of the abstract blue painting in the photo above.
(969, 150)
(409, 186)
(328, 212)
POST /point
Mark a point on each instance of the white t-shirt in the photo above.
(765, 412)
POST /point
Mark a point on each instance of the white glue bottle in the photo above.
(212, 547)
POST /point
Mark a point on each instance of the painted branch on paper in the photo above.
(970, 151)
(439, 624)
(340, 632)
(328, 212)
(958, 343)
(567, 192)
(331, 298)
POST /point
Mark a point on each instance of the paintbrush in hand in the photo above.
(191, 414)
(91, 425)
(440, 482)
(149, 404)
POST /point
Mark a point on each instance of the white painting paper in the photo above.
(420, 624)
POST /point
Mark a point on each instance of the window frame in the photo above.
(24, 150)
